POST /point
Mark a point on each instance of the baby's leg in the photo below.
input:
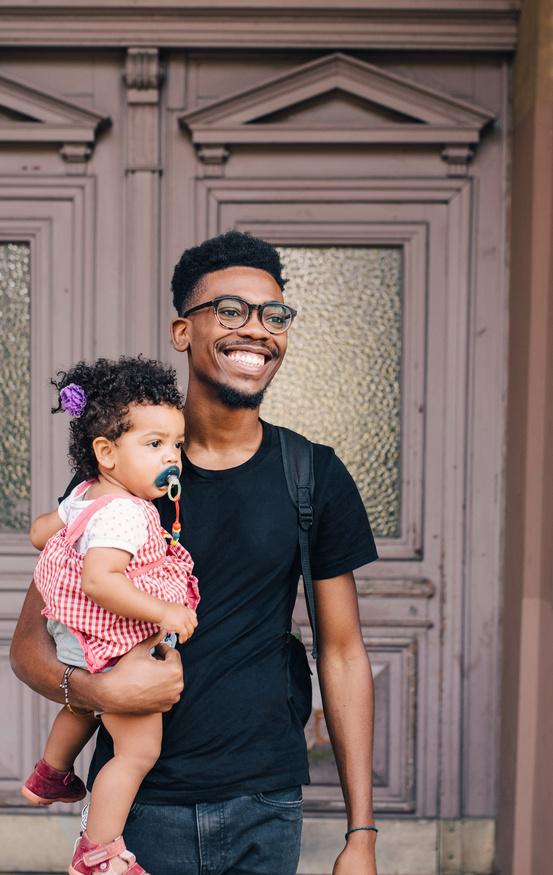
(53, 778)
(68, 736)
(137, 745)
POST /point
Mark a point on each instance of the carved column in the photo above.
(143, 78)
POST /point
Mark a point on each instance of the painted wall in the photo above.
(525, 839)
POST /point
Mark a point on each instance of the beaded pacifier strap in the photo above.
(170, 477)
(173, 494)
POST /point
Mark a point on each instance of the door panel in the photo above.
(373, 258)
(47, 245)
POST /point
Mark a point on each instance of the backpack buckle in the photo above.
(305, 510)
(305, 513)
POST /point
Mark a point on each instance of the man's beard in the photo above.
(235, 400)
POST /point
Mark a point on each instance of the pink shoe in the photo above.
(47, 785)
(89, 858)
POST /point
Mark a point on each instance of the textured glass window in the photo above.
(340, 382)
(15, 336)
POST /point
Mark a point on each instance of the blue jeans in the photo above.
(249, 835)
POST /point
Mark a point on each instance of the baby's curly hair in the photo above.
(110, 388)
(232, 249)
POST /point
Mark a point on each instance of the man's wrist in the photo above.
(352, 829)
(83, 690)
(64, 686)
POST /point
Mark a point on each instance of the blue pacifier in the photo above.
(163, 478)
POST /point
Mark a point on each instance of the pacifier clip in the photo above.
(170, 478)
(173, 494)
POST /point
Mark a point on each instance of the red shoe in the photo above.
(89, 858)
(47, 785)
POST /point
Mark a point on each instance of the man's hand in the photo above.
(180, 619)
(138, 684)
(141, 683)
(357, 858)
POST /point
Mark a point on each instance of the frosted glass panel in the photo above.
(340, 383)
(15, 336)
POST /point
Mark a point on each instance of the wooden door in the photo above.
(371, 280)
(382, 231)
(45, 291)
(361, 171)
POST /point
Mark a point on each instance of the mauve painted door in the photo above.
(409, 390)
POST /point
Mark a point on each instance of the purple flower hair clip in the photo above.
(73, 400)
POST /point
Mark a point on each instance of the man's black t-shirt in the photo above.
(233, 732)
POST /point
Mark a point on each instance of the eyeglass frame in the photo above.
(258, 307)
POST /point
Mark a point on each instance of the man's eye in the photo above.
(275, 319)
(230, 312)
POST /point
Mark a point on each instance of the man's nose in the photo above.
(253, 326)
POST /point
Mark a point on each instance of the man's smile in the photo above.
(250, 357)
(252, 360)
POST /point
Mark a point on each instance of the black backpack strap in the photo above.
(297, 458)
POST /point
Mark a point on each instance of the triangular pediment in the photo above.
(337, 99)
(336, 107)
(31, 114)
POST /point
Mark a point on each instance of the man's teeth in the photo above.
(252, 359)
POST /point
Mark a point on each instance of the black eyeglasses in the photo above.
(233, 312)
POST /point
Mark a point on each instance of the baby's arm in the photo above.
(45, 525)
(104, 582)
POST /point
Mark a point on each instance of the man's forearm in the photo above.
(34, 660)
(138, 684)
(348, 699)
(33, 652)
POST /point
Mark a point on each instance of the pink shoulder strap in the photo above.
(78, 526)
(82, 488)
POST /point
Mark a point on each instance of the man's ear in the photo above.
(179, 334)
(103, 450)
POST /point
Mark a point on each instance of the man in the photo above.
(225, 795)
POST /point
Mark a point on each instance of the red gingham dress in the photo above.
(156, 568)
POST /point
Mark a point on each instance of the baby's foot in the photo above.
(46, 785)
(90, 858)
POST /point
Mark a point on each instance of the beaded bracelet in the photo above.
(65, 687)
(357, 828)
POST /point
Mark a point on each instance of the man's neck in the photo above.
(217, 438)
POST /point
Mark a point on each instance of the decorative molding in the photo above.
(54, 114)
(390, 110)
(50, 118)
(452, 25)
(458, 159)
(143, 75)
(213, 159)
(396, 588)
(75, 155)
(314, 191)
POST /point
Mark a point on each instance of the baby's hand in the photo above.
(180, 619)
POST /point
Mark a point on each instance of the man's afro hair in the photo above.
(232, 249)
